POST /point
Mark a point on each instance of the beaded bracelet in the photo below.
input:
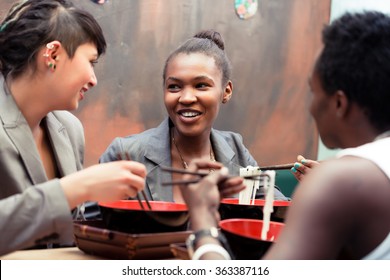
(207, 248)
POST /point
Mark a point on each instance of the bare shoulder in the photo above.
(347, 178)
(342, 192)
(335, 209)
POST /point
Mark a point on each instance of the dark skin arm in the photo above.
(203, 198)
(341, 209)
(337, 211)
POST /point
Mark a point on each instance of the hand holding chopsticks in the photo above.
(302, 167)
(127, 157)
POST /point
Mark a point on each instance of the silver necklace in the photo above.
(184, 163)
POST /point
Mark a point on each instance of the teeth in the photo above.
(189, 114)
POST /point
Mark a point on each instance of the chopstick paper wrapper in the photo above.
(247, 196)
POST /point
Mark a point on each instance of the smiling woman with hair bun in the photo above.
(196, 83)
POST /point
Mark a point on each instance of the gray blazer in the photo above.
(28, 206)
(37, 216)
(152, 148)
(20, 162)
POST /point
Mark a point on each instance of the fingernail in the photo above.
(294, 170)
(297, 165)
(304, 161)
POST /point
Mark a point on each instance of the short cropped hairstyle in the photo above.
(31, 24)
(356, 60)
(209, 43)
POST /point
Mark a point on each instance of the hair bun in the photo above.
(213, 36)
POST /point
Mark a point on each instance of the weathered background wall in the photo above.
(271, 53)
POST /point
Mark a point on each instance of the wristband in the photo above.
(196, 236)
(207, 248)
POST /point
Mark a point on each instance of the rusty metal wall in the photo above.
(271, 53)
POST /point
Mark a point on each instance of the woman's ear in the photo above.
(342, 103)
(228, 91)
(51, 54)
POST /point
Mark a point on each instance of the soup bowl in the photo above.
(244, 237)
(230, 209)
(128, 216)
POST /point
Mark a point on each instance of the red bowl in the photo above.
(244, 237)
(128, 216)
(230, 209)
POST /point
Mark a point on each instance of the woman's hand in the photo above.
(302, 167)
(104, 182)
(203, 198)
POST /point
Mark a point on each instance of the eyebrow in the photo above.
(195, 79)
(173, 79)
(203, 78)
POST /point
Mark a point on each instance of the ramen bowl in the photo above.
(230, 209)
(128, 216)
(244, 237)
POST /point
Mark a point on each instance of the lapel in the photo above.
(158, 153)
(19, 132)
(61, 145)
(222, 150)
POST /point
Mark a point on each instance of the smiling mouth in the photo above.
(82, 93)
(189, 114)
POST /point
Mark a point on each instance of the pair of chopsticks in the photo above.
(277, 167)
(127, 157)
(198, 173)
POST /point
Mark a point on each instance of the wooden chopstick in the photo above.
(277, 167)
(200, 174)
(193, 181)
(180, 182)
(203, 174)
(142, 192)
(183, 171)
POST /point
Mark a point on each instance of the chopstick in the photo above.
(183, 171)
(200, 174)
(142, 192)
(277, 167)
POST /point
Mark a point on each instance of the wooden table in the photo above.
(69, 253)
